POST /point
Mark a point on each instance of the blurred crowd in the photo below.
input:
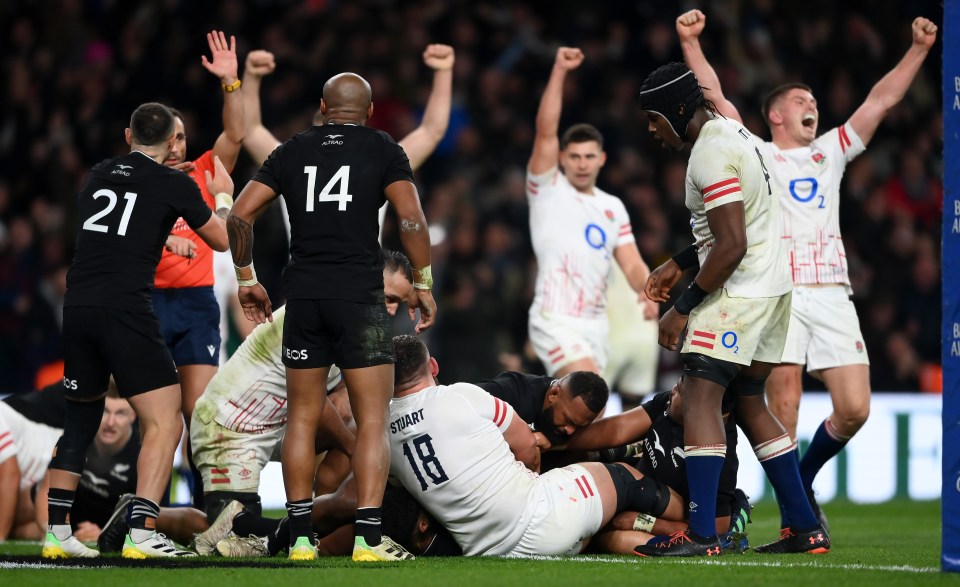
(73, 70)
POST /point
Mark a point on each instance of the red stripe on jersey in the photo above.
(720, 184)
(844, 139)
(709, 335)
(725, 192)
(4, 435)
(219, 481)
(496, 411)
(553, 350)
(557, 358)
(582, 490)
(586, 482)
(701, 343)
(6, 444)
(219, 471)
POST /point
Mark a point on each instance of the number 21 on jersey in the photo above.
(91, 223)
(341, 178)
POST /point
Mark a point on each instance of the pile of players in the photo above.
(322, 375)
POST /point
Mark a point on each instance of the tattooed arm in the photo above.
(415, 239)
(252, 201)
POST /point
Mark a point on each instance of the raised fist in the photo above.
(259, 63)
(438, 57)
(569, 58)
(690, 24)
(924, 32)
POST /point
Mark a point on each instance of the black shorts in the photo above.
(98, 342)
(319, 333)
(190, 323)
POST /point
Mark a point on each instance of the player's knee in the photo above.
(849, 420)
(644, 495)
(83, 420)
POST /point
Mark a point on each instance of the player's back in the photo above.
(456, 463)
(333, 179)
(126, 208)
(726, 165)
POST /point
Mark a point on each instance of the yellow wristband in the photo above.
(223, 200)
(246, 276)
(232, 87)
(423, 278)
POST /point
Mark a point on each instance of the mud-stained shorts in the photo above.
(318, 333)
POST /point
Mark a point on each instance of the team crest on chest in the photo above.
(818, 158)
(609, 214)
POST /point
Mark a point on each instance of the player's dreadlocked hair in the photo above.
(394, 261)
(673, 92)
(591, 387)
(412, 358)
(151, 124)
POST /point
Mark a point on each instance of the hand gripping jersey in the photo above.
(807, 182)
(726, 166)
(447, 449)
(574, 236)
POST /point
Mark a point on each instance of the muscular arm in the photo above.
(414, 236)
(251, 203)
(522, 443)
(546, 142)
(611, 432)
(633, 266)
(258, 141)
(224, 66)
(9, 492)
(420, 143)
(728, 226)
(689, 26)
(214, 233)
(888, 92)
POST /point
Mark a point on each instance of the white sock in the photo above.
(61, 531)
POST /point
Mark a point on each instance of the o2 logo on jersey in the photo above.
(294, 354)
(804, 190)
(596, 237)
(729, 341)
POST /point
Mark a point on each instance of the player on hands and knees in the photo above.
(334, 178)
(805, 172)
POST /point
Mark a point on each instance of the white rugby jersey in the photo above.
(726, 166)
(249, 391)
(574, 236)
(447, 449)
(31, 443)
(807, 181)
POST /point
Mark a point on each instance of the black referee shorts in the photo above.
(98, 342)
(319, 333)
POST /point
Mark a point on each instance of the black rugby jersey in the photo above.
(126, 208)
(104, 480)
(333, 178)
(525, 393)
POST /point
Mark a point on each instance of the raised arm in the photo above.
(214, 232)
(546, 142)
(258, 141)
(224, 66)
(891, 88)
(251, 203)
(689, 26)
(420, 143)
(415, 239)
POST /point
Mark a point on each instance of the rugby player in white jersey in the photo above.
(806, 171)
(577, 230)
(470, 461)
(735, 313)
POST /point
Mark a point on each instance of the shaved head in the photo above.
(347, 92)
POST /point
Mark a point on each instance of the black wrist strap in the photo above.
(687, 258)
(690, 299)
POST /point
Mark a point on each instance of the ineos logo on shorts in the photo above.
(296, 355)
(70, 383)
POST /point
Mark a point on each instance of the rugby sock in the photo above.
(777, 457)
(59, 503)
(246, 523)
(300, 524)
(784, 516)
(279, 538)
(827, 442)
(704, 464)
(367, 525)
(142, 518)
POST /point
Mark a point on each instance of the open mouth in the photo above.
(808, 120)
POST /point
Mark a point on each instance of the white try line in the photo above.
(741, 563)
(32, 566)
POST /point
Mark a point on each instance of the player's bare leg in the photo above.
(193, 380)
(849, 388)
(161, 425)
(306, 400)
(784, 388)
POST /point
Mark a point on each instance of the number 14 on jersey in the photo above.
(341, 178)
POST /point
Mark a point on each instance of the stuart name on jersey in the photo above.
(807, 180)
(574, 237)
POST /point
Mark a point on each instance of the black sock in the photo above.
(142, 514)
(300, 523)
(280, 538)
(246, 523)
(59, 503)
(368, 525)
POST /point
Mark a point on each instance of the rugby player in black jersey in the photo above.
(126, 209)
(334, 178)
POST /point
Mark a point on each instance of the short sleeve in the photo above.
(536, 186)
(398, 166)
(190, 205)
(269, 174)
(486, 406)
(715, 173)
(656, 405)
(624, 228)
(842, 143)
(8, 448)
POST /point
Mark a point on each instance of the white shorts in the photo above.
(561, 340)
(739, 330)
(568, 511)
(824, 330)
(229, 460)
(634, 354)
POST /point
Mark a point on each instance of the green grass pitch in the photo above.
(896, 543)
